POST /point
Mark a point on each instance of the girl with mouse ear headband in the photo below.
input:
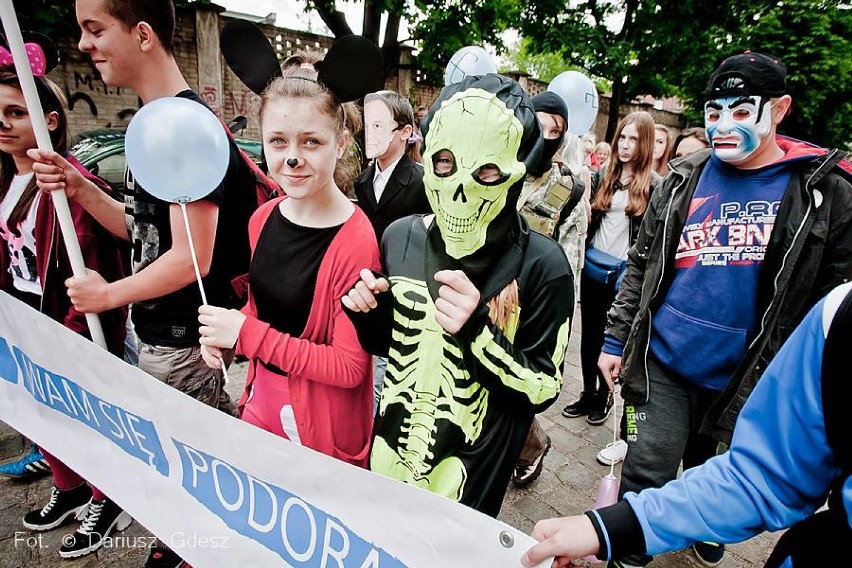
(309, 379)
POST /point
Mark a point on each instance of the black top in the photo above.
(172, 320)
(284, 271)
(404, 195)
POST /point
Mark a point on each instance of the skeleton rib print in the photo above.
(426, 376)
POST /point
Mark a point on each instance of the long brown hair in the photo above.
(661, 166)
(639, 188)
(301, 83)
(52, 100)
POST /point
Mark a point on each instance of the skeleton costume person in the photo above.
(455, 408)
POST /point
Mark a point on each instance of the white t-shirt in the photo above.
(613, 236)
(20, 241)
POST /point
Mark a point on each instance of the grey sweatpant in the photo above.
(663, 432)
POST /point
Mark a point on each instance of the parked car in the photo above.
(102, 153)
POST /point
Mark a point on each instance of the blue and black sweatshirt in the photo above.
(709, 315)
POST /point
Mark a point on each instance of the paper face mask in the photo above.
(737, 125)
(470, 165)
(380, 125)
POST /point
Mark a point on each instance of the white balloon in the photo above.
(470, 60)
(177, 149)
(581, 97)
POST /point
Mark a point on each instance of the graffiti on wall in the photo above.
(238, 102)
(210, 95)
(84, 90)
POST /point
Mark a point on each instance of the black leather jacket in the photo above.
(808, 254)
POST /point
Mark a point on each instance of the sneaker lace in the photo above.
(92, 516)
(54, 497)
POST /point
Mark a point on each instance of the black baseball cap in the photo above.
(748, 74)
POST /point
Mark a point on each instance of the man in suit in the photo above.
(392, 187)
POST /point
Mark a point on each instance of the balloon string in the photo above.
(182, 204)
(614, 427)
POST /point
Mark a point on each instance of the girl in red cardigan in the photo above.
(309, 379)
(33, 269)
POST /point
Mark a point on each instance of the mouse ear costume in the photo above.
(455, 409)
(352, 67)
(43, 56)
(41, 52)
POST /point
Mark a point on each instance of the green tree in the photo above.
(588, 35)
(543, 66)
(670, 47)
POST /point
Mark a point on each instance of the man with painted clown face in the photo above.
(474, 313)
(739, 242)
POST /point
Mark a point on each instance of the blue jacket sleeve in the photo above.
(778, 469)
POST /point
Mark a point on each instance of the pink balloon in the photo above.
(607, 495)
(607, 492)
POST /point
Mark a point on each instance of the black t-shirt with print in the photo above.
(172, 320)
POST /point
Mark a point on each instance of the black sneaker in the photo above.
(525, 473)
(580, 408)
(603, 404)
(63, 507)
(162, 557)
(102, 518)
(709, 553)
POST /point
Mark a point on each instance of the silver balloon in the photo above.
(177, 149)
(470, 60)
(581, 97)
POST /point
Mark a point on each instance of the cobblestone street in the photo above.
(567, 486)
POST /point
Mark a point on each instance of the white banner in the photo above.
(218, 490)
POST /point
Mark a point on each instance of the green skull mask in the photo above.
(473, 143)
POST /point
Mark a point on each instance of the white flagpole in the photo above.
(60, 201)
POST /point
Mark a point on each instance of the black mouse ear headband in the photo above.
(352, 68)
(41, 52)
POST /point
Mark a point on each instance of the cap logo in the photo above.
(732, 83)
